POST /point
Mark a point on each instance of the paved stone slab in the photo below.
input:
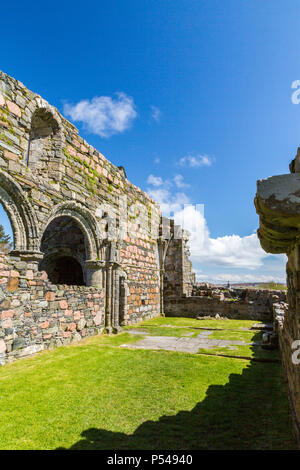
(182, 344)
(137, 332)
(262, 326)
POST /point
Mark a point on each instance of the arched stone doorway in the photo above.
(65, 253)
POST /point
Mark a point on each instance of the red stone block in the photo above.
(14, 274)
(4, 273)
(68, 313)
(63, 304)
(13, 108)
(2, 346)
(7, 314)
(50, 296)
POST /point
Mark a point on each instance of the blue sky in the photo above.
(193, 98)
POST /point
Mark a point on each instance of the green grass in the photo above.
(192, 322)
(272, 286)
(116, 340)
(242, 351)
(237, 335)
(95, 395)
(249, 350)
(154, 330)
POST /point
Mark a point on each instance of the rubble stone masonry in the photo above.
(278, 205)
(85, 238)
(234, 303)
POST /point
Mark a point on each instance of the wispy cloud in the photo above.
(160, 191)
(156, 160)
(169, 203)
(196, 161)
(178, 180)
(104, 115)
(155, 180)
(231, 251)
(155, 113)
(231, 257)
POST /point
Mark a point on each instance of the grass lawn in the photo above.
(95, 395)
(194, 323)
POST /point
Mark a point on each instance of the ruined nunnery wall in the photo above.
(278, 205)
(91, 251)
(85, 254)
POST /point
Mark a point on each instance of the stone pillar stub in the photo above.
(27, 255)
(94, 273)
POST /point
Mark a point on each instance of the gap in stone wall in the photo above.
(64, 251)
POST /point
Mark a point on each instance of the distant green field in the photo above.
(272, 286)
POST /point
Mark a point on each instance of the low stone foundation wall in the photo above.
(248, 305)
(288, 331)
(37, 315)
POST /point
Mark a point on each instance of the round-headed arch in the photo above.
(84, 219)
(20, 213)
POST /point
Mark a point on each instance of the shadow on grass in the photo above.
(251, 411)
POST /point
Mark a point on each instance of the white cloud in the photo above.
(161, 193)
(156, 160)
(196, 161)
(230, 250)
(178, 180)
(155, 180)
(155, 113)
(243, 257)
(103, 115)
(169, 203)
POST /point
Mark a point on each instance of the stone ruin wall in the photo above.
(234, 303)
(62, 197)
(179, 277)
(53, 184)
(278, 205)
(183, 297)
(37, 315)
(285, 329)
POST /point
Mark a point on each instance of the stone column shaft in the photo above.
(108, 319)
